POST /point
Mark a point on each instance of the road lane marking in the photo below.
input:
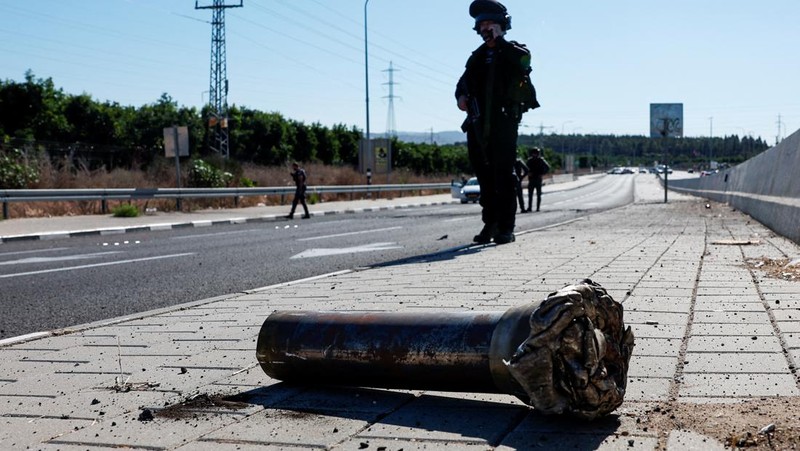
(58, 259)
(3, 254)
(95, 265)
(323, 252)
(205, 235)
(349, 234)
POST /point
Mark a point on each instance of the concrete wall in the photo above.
(766, 187)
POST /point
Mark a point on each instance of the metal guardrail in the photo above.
(104, 195)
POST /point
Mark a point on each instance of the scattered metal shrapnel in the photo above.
(567, 354)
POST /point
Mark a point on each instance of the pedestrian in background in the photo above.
(495, 90)
(520, 171)
(537, 168)
(299, 176)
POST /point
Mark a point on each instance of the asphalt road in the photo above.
(47, 285)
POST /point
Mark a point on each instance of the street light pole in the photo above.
(368, 147)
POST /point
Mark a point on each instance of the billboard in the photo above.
(666, 120)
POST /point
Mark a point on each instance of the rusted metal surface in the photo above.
(564, 354)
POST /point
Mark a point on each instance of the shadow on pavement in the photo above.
(404, 415)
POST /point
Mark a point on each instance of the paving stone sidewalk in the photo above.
(710, 327)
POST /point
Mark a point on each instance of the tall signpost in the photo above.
(666, 121)
(176, 144)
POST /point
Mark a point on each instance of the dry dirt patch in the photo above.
(778, 268)
(758, 424)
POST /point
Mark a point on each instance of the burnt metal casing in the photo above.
(454, 351)
(568, 353)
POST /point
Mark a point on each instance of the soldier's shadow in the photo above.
(456, 418)
(444, 255)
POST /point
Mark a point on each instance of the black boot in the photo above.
(504, 236)
(486, 234)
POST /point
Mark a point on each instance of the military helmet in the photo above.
(492, 10)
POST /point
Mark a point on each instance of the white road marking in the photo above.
(57, 259)
(33, 251)
(349, 233)
(204, 235)
(96, 265)
(322, 252)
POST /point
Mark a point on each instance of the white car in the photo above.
(471, 191)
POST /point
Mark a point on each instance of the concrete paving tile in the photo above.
(647, 388)
(786, 315)
(456, 399)
(611, 432)
(279, 427)
(728, 291)
(547, 441)
(681, 440)
(665, 318)
(657, 347)
(621, 421)
(792, 340)
(708, 298)
(779, 304)
(395, 444)
(680, 293)
(466, 424)
(789, 326)
(733, 344)
(345, 400)
(128, 431)
(744, 281)
(738, 385)
(26, 433)
(644, 366)
(782, 288)
(749, 330)
(639, 304)
(219, 358)
(97, 404)
(736, 362)
(702, 306)
(653, 329)
(251, 377)
(731, 317)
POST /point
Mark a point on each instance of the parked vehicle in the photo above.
(471, 191)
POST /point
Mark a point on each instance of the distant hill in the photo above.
(447, 137)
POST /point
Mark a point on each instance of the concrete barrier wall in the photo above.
(766, 187)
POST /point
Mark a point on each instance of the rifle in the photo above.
(473, 121)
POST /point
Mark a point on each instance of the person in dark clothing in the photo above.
(537, 167)
(520, 171)
(495, 90)
(299, 176)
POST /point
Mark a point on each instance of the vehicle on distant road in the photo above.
(471, 191)
(660, 169)
(620, 170)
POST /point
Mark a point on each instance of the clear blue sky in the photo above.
(597, 65)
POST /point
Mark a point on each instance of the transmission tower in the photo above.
(391, 126)
(218, 87)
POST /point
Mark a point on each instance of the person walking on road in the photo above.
(299, 176)
(520, 171)
(495, 90)
(537, 168)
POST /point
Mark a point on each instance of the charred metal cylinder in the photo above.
(568, 353)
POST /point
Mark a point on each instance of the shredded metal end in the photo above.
(575, 360)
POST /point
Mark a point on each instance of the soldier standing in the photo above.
(537, 167)
(299, 176)
(495, 90)
(520, 171)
